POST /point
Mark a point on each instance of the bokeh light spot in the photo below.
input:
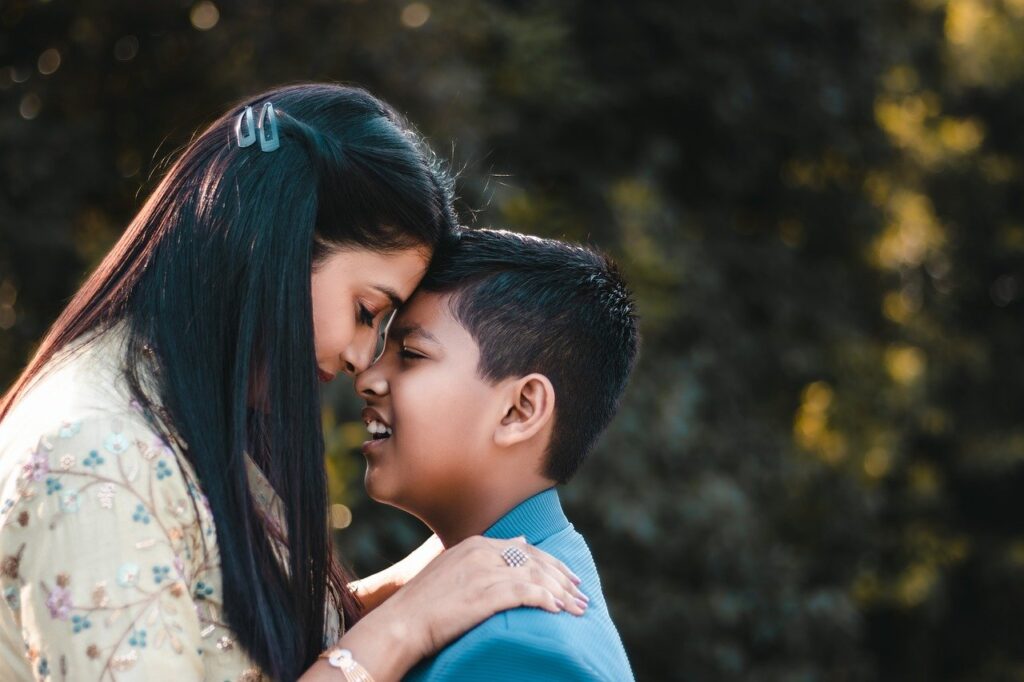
(415, 14)
(30, 106)
(49, 61)
(126, 48)
(204, 15)
(341, 516)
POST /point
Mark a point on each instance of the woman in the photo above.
(164, 505)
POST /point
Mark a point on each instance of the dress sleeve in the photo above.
(99, 541)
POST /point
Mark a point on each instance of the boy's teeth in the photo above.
(378, 429)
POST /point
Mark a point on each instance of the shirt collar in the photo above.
(538, 518)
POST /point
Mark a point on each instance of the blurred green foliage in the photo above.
(817, 471)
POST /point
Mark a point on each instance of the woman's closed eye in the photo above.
(367, 317)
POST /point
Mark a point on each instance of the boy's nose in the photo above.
(371, 383)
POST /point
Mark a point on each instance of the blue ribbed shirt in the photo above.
(530, 644)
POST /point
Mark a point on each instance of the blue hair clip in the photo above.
(245, 138)
(267, 127)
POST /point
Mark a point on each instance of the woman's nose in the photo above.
(359, 354)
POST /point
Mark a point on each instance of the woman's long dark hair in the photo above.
(213, 275)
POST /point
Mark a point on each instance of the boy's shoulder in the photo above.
(532, 644)
(497, 652)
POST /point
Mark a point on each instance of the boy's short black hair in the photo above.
(545, 306)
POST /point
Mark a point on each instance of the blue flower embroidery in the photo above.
(93, 460)
(138, 639)
(69, 501)
(116, 443)
(160, 573)
(203, 590)
(162, 470)
(12, 597)
(69, 429)
(44, 667)
(79, 623)
(141, 515)
(127, 575)
(52, 485)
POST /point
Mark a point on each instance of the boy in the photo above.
(497, 378)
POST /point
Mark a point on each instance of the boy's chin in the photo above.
(377, 489)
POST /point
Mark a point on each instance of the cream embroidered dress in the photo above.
(102, 534)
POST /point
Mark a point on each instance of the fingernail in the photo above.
(575, 578)
(584, 597)
(582, 604)
(560, 604)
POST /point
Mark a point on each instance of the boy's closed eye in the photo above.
(407, 353)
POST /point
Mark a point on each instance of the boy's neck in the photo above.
(480, 509)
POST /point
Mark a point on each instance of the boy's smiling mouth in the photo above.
(377, 426)
(378, 430)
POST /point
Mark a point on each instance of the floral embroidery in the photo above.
(69, 429)
(38, 465)
(141, 515)
(160, 573)
(93, 460)
(59, 603)
(164, 518)
(69, 501)
(106, 495)
(124, 662)
(128, 574)
(79, 623)
(138, 639)
(203, 590)
(10, 565)
(12, 597)
(162, 470)
(100, 598)
(116, 443)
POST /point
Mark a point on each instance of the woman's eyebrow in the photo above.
(396, 300)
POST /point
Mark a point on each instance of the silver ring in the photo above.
(514, 557)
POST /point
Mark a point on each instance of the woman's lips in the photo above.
(324, 376)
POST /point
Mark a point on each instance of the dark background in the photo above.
(816, 472)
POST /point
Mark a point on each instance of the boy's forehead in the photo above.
(422, 309)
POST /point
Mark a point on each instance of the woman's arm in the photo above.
(374, 589)
(464, 586)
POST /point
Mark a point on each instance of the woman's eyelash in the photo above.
(410, 355)
(365, 316)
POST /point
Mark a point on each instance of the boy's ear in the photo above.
(530, 407)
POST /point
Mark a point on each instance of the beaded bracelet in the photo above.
(343, 661)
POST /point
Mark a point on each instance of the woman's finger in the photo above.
(555, 569)
(512, 593)
(541, 575)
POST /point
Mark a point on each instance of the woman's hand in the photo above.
(471, 582)
(374, 589)
(459, 589)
